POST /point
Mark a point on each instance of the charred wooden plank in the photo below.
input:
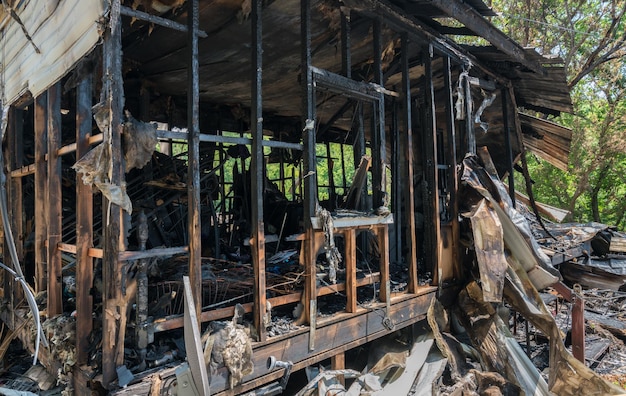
(41, 183)
(257, 243)
(54, 202)
(193, 152)
(84, 226)
(114, 233)
(406, 174)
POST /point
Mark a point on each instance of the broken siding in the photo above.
(548, 140)
(62, 31)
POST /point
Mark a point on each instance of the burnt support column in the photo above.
(193, 152)
(379, 152)
(113, 224)
(257, 242)
(407, 170)
(141, 320)
(15, 160)
(399, 181)
(41, 188)
(431, 198)
(309, 166)
(84, 225)
(451, 153)
(55, 226)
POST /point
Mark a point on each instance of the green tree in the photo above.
(590, 37)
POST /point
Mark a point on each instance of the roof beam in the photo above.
(475, 22)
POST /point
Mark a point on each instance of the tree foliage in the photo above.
(590, 36)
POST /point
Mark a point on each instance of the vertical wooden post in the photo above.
(451, 154)
(114, 233)
(407, 170)
(193, 174)
(14, 160)
(338, 362)
(431, 204)
(308, 141)
(84, 225)
(379, 149)
(399, 184)
(16, 141)
(41, 188)
(349, 237)
(256, 117)
(54, 202)
(383, 246)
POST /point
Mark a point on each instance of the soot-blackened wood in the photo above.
(84, 225)
(114, 232)
(474, 21)
(41, 188)
(256, 166)
(451, 153)
(399, 181)
(431, 200)
(14, 186)
(379, 150)
(308, 140)
(193, 173)
(407, 170)
(350, 259)
(55, 221)
(346, 56)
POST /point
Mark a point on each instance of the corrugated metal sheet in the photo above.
(63, 30)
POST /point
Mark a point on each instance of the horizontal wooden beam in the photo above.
(472, 19)
(222, 313)
(23, 171)
(157, 20)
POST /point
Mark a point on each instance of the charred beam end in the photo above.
(144, 16)
(475, 22)
(347, 87)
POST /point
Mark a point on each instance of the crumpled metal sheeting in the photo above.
(568, 376)
(517, 235)
(489, 248)
(94, 167)
(140, 140)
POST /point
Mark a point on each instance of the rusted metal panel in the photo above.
(61, 43)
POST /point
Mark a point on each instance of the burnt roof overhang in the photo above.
(159, 56)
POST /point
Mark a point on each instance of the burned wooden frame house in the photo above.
(294, 159)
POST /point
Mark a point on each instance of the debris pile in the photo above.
(468, 347)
